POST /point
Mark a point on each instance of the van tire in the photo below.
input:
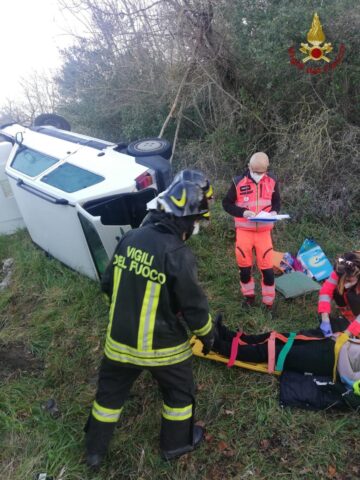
(53, 120)
(149, 147)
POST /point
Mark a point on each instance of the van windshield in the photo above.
(32, 163)
(69, 178)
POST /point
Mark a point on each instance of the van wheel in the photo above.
(150, 146)
(53, 120)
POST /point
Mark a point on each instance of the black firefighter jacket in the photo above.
(153, 287)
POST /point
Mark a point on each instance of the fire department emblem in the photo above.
(316, 37)
(316, 49)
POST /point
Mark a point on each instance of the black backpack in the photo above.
(315, 392)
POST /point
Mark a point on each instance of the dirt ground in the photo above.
(16, 359)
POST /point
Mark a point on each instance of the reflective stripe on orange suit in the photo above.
(261, 241)
(254, 197)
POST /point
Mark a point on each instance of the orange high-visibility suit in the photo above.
(245, 194)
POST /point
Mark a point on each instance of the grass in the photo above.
(55, 320)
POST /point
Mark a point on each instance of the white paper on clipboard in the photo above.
(267, 217)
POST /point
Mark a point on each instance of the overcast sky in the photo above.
(31, 31)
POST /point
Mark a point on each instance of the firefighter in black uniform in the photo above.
(152, 283)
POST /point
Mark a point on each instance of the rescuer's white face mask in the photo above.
(256, 176)
(196, 228)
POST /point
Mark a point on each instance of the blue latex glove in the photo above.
(325, 327)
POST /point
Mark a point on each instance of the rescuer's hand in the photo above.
(208, 342)
(248, 214)
(326, 329)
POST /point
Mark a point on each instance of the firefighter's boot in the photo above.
(94, 461)
(198, 435)
(97, 439)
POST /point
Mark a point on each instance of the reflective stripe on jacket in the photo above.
(326, 293)
(151, 279)
(255, 197)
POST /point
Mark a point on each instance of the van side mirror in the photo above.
(19, 138)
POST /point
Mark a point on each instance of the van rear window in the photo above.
(69, 178)
(32, 163)
(122, 209)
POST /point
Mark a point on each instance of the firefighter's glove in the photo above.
(208, 342)
(325, 327)
(356, 387)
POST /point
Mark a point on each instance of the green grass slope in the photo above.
(52, 329)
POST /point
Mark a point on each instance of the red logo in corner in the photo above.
(317, 51)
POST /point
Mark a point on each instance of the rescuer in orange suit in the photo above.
(254, 191)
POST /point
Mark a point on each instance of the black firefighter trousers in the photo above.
(176, 383)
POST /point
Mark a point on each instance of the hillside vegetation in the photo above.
(214, 77)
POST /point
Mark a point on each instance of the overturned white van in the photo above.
(78, 195)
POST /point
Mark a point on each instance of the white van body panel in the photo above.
(10, 216)
(56, 229)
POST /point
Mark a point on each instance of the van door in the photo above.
(105, 220)
(101, 239)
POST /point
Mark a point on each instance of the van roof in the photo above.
(118, 169)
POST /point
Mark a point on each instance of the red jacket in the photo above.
(327, 293)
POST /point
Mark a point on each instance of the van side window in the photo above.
(31, 162)
(69, 178)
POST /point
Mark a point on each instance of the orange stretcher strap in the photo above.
(271, 352)
(234, 348)
(279, 336)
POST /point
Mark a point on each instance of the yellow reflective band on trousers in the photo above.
(205, 329)
(153, 358)
(177, 414)
(147, 316)
(158, 353)
(106, 415)
(117, 278)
